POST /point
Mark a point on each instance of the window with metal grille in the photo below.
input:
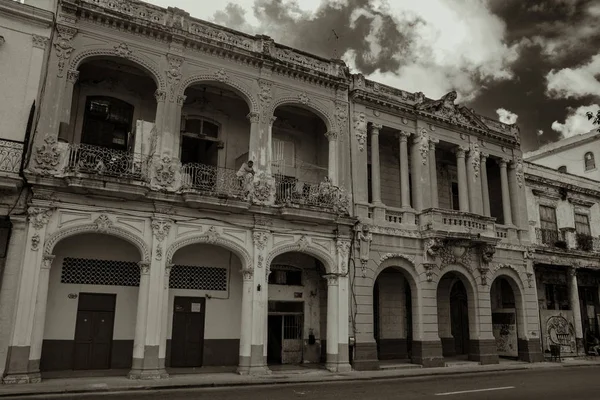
(292, 326)
(198, 278)
(582, 224)
(590, 162)
(85, 271)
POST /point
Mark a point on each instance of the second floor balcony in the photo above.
(11, 155)
(458, 224)
(567, 240)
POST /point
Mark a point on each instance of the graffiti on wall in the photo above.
(558, 329)
(504, 324)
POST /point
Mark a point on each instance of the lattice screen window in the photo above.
(86, 271)
(198, 278)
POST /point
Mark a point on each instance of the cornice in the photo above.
(369, 99)
(26, 12)
(548, 182)
(167, 25)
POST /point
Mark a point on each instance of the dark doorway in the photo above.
(274, 341)
(107, 122)
(187, 339)
(408, 313)
(459, 316)
(94, 331)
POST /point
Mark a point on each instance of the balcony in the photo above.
(212, 181)
(321, 196)
(550, 238)
(102, 161)
(11, 154)
(458, 224)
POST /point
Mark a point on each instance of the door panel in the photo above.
(94, 331)
(187, 338)
(459, 316)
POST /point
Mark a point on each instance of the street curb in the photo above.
(286, 381)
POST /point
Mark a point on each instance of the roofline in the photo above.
(557, 147)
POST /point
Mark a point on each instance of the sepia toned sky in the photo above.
(536, 62)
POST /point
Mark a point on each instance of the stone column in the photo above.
(433, 173)
(485, 193)
(343, 358)
(67, 104)
(419, 171)
(246, 321)
(518, 199)
(505, 192)
(254, 144)
(21, 367)
(332, 322)
(39, 319)
(375, 164)
(463, 191)
(10, 285)
(474, 180)
(139, 341)
(404, 170)
(332, 162)
(576, 308)
(164, 318)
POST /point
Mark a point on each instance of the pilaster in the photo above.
(506, 198)
(375, 165)
(404, 169)
(433, 173)
(485, 192)
(474, 179)
(575, 306)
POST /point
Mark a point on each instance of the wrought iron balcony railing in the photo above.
(214, 181)
(11, 154)
(103, 161)
(550, 237)
(289, 190)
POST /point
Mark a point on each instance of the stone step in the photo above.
(387, 367)
(462, 363)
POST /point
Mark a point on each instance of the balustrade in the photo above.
(215, 181)
(103, 161)
(459, 222)
(291, 190)
(550, 237)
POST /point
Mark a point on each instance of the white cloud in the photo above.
(506, 117)
(576, 122)
(575, 82)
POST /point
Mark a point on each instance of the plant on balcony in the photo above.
(561, 244)
(585, 242)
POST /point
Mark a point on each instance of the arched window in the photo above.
(199, 141)
(562, 168)
(590, 163)
(107, 122)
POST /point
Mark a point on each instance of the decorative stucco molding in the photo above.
(314, 106)
(99, 226)
(304, 245)
(228, 80)
(63, 46)
(211, 236)
(360, 129)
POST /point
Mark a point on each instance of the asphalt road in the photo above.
(556, 384)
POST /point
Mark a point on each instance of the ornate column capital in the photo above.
(484, 157)
(502, 162)
(144, 267)
(272, 120)
(253, 117)
(432, 143)
(39, 42)
(260, 239)
(247, 274)
(181, 100)
(161, 228)
(160, 96)
(403, 135)
(47, 261)
(331, 136)
(460, 151)
(72, 76)
(332, 279)
(375, 128)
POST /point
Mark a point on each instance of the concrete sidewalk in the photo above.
(120, 384)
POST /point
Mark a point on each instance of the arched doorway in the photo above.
(213, 141)
(392, 315)
(456, 317)
(459, 318)
(507, 324)
(92, 305)
(203, 315)
(297, 310)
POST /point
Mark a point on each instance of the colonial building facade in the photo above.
(439, 270)
(564, 219)
(203, 197)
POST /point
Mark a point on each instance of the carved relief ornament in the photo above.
(38, 217)
(475, 156)
(360, 129)
(265, 97)
(161, 228)
(422, 140)
(63, 46)
(260, 239)
(47, 156)
(173, 74)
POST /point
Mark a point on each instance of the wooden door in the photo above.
(459, 316)
(187, 338)
(94, 331)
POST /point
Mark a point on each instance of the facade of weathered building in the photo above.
(440, 195)
(152, 241)
(564, 219)
(25, 30)
(204, 197)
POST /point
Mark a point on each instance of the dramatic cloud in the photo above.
(575, 82)
(506, 116)
(576, 122)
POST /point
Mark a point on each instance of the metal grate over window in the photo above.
(198, 278)
(87, 271)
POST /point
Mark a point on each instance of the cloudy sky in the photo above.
(536, 62)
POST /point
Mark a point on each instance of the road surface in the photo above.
(553, 384)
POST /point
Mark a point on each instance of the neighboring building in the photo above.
(440, 195)
(577, 155)
(25, 29)
(152, 242)
(564, 216)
